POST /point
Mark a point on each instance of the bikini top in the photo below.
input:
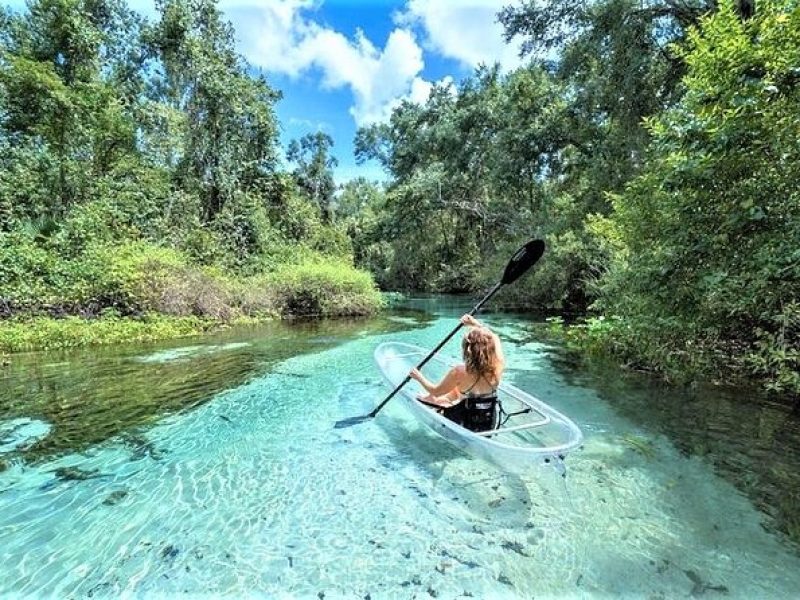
(484, 396)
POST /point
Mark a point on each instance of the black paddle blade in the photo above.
(523, 260)
(351, 421)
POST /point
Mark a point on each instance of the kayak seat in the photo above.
(476, 413)
(480, 412)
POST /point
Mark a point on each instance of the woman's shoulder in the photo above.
(459, 370)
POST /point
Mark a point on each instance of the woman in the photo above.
(467, 394)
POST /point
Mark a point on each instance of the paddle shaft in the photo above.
(439, 347)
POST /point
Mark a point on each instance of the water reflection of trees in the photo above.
(751, 440)
(92, 395)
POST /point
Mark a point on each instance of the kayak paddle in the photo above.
(523, 259)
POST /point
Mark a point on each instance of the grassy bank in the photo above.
(141, 292)
(46, 333)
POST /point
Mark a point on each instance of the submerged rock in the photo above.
(467, 563)
(296, 375)
(514, 547)
(114, 497)
(700, 587)
(100, 587)
(141, 447)
(169, 552)
(504, 580)
(75, 474)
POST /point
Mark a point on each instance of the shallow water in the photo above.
(211, 466)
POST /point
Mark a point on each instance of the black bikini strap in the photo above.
(472, 386)
(474, 383)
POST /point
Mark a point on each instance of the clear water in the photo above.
(212, 467)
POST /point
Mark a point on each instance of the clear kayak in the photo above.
(530, 433)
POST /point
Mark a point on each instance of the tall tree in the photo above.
(230, 135)
(707, 236)
(314, 169)
(59, 99)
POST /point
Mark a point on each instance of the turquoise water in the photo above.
(212, 467)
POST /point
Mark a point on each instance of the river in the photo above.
(211, 466)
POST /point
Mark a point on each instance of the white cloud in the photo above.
(281, 36)
(466, 31)
(278, 36)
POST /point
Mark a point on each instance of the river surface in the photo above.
(210, 466)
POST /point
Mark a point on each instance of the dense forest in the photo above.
(658, 154)
(140, 178)
(655, 146)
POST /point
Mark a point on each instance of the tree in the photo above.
(63, 119)
(361, 208)
(230, 136)
(314, 170)
(707, 236)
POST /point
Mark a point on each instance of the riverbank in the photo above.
(148, 298)
(47, 333)
(681, 357)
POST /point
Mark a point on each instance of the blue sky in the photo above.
(341, 64)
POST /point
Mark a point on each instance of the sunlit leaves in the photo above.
(709, 224)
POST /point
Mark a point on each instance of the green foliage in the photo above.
(324, 288)
(138, 175)
(776, 354)
(314, 171)
(48, 334)
(361, 211)
(439, 214)
(658, 158)
(169, 297)
(115, 275)
(228, 131)
(24, 267)
(707, 235)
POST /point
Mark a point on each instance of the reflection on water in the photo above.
(87, 396)
(749, 438)
(211, 466)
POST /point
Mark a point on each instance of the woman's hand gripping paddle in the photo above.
(523, 259)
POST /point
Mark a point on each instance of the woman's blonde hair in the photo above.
(482, 355)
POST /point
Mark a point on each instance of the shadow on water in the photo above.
(85, 397)
(750, 439)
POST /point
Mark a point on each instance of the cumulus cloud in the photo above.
(281, 37)
(466, 31)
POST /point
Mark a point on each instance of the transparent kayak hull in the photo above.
(536, 436)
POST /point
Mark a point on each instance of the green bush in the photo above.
(167, 295)
(25, 269)
(112, 275)
(323, 288)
